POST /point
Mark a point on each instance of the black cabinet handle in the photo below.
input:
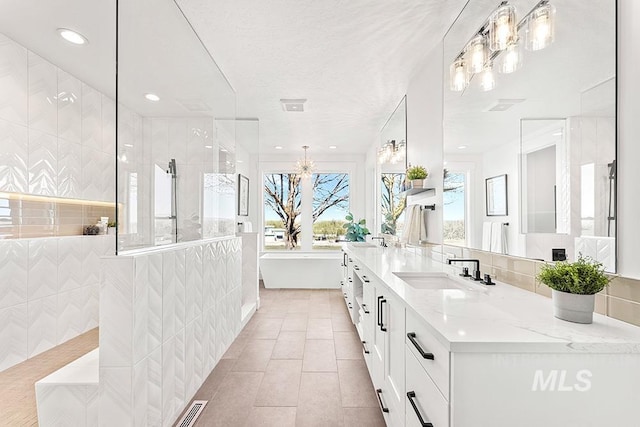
(364, 348)
(379, 393)
(350, 260)
(364, 278)
(364, 308)
(412, 338)
(382, 328)
(355, 267)
(412, 395)
(379, 311)
(349, 305)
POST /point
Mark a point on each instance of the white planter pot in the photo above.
(572, 307)
(417, 183)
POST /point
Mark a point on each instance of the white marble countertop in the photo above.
(500, 318)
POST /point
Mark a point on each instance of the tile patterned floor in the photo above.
(297, 363)
(17, 384)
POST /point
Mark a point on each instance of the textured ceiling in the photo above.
(352, 60)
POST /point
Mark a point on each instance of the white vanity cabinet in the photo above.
(476, 357)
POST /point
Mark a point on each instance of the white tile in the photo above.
(42, 314)
(191, 376)
(13, 335)
(168, 382)
(43, 163)
(69, 179)
(43, 90)
(141, 309)
(60, 405)
(116, 400)
(108, 126)
(69, 107)
(154, 388)
(91, 118)
(197, 133)
(90, 315)
(14, 264)
(155, 301)
(13, 81)
(180, 291)
(91, 182)
(193, 285)
(168, 296)
(43, 268)
(70, 320)
(14, 156)
(116, 312)
(90, 268)
(159, 140)
(180, 373)
(178, 140)
(140, 393)
(69, 263)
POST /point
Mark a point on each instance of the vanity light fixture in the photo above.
(305, 167)
(72, 36)
(152, 97)
(497, 42)
(392, 152)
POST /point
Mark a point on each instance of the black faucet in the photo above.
(382, 242)
(476, 272)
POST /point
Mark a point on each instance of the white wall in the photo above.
(424, 135)
(628, 136)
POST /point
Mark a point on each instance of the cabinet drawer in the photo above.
(436, 357)
(423, 399)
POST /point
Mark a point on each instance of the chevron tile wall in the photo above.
(157, 326)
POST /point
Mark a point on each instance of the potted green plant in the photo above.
(356, 231)
(574, 286)
(417, 175)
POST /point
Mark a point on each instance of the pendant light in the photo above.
(487, 79)
(305, 167)
(477, 54)
(511, 58)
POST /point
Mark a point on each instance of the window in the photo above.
(330, 206)
(454, 210)
(282, 214)
(288, 200)
(394, 202)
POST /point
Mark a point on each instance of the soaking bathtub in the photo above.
(301, 270)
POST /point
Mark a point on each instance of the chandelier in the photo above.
(392, 152)
(305, 167)
(497, 45)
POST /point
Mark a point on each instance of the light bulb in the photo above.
(540, 27)
(487, 80)
(511, 59)
(503, 29)
(477, 54)
(458, 76)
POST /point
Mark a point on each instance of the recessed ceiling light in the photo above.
(208, 146)
(152, 97)
(559, 133)
(224, 150)
(333, 147)
(278, 147)
(239, 161)
(72, 36)
(462, 147)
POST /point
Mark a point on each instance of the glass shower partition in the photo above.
(175, 142)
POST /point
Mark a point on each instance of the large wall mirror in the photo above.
(536, 103)
(392, 158)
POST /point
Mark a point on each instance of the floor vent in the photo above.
(192, 414)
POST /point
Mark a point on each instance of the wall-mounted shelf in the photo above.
(414, 191)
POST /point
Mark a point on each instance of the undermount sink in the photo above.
(430, 281)
(362, 244)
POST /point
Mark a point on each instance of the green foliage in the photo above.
(356, 231)
(111, 224)
(416, 172)
(583, 277)
(331, 227)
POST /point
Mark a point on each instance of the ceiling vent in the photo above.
(195, 105)
(504, 104)
(293, 105)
